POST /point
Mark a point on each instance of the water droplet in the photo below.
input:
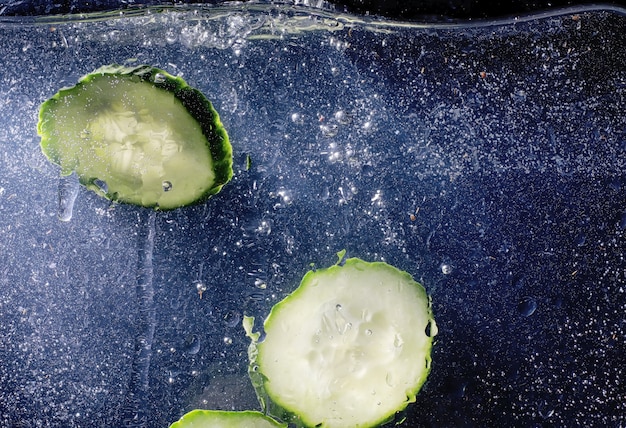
(368, 332)
(68, 190)
(228, 340)
(158, 78)
(527, 306)
(338, 307)
(167, 186)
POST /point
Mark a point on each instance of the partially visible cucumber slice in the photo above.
(225, 419)
(349, 348)
(137, 135)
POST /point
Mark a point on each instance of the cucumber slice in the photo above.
(137, 135)
(225, 419)
(349, 348)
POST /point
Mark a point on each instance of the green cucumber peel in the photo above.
(137, 135)
(225, 419)
(350, 347)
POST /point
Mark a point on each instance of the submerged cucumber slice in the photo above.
(137, 135)
(349, 348)
(225, 419)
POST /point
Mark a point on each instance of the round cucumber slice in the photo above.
(137, 135)
(225, 419)
(349, 347)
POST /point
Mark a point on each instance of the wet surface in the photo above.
(488, 162)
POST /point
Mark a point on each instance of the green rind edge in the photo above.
(198, 106)
(202, 418)
(271, 405)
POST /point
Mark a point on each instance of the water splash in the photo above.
(136, 402)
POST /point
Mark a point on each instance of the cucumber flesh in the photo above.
(349, 348)
(137, 135)
(225, 419)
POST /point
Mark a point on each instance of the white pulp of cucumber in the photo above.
(349, 347)
(139, 140)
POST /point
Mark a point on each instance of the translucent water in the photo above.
(488, 161)
(68, 191)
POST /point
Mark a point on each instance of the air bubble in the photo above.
(265, 227)
(158, 78)
(232, 318)
(330, 130)
(191, 345)
(622, 221)
(431, 329)
(580, 239)
(446, 268)
(368, 332)
(101, 184)
(200, 287)
(297, 118)
(527, 306)
(167, 186)
(342, 117)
